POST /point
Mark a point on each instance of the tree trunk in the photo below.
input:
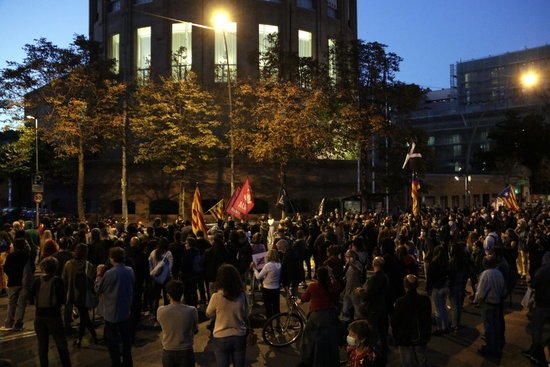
(123, 180)
(282, 180)
(80, 182)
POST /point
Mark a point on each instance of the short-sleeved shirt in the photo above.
(179, 323)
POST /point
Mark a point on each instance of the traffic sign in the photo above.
(38, 198)
(38, 183)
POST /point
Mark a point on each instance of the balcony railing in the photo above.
(180, 71)
(221, 73)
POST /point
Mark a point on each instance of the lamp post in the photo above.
(220, 21)
(36, 161)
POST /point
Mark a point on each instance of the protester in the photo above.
(270, 275)
(490, 294)
(321, 334)
(437, 285)
(229, 306)
(48, 294)
(362, 348)
(160, 268)
(411, 324)
(79, 275)
(18, 269)
(179, 323)
(116, 286)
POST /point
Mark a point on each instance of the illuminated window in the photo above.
(305, 44)
(181, 50)
(457, 150)
(113, 51)
(143, 54)
(431, 140)
(221, 54)
(266, 34)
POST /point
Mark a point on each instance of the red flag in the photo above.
(197, 216)
(229, 209)
(245, 201)
(242, 202)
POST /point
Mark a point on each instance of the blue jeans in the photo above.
(230, 349)
(493, 323)
(439, 296)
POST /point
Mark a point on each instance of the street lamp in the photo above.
(529, 79)
(220, 23)
(29, 117)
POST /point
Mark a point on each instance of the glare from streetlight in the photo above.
(529, 79)
(29, 117)
(220, 20)
(457, 178)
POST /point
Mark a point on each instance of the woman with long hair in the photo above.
(228, 306)
(270, 275)
(79, 275)
(45, 237)
(322, 332)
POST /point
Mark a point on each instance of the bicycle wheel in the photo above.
(282, 329)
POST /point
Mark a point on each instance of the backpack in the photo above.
(46, 286)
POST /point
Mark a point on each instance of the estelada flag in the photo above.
(509, 199)
(197, 215)
(217, 210)
(244, 201)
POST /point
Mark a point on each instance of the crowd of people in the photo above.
(371, 282)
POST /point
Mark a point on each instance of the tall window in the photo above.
(305, 44)
(332, 59)
(113, 5)
(113, 51)
(143, 54)
(332, 8)
(267, 34)
(181, 50)
(220, 54)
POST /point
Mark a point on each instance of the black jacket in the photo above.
(376, 306)
(57, 296)
(411, 320)
(14, 267)
(214, 257)
(541, 285)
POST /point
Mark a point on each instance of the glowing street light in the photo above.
(529, 79)
(220, 21)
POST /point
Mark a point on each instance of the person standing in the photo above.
(437, 285)
(116, 285)
(322, 331)
(228, 306)
(79, 276)
(17, 268)
(490, 294)
(48, 294)
(271, 282)
(362, 347)
(179, 323)
(411, 324)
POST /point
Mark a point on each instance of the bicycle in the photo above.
(285, 328)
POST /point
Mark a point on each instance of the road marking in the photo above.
(23, 335)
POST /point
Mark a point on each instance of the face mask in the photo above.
(352, 342)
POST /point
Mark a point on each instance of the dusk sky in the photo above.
(428, 34)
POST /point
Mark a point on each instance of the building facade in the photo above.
(458, 119)
(163, 37)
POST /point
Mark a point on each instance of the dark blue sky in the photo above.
(428, 34)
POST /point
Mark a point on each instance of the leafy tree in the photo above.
(281, 121)
(16, 151)
(520, 140)
(74, 92)
(174, 122)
